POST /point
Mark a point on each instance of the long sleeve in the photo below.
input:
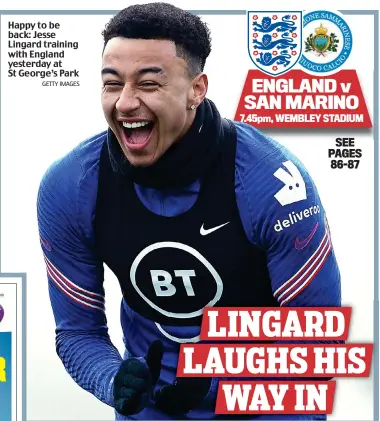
(75, 282)
(283, 215)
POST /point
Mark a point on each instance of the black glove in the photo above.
(185, 394)
(135, 379)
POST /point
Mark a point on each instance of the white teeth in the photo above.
(135, 125)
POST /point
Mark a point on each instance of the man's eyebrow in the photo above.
(140, 72)
(109, 70)
(153, 69)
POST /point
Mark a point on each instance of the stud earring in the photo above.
(193, 107)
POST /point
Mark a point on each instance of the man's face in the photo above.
(146, 96)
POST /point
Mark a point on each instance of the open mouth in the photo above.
(136, 135)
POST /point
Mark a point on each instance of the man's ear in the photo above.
(198, 90)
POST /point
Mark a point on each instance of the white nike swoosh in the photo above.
(209, 231)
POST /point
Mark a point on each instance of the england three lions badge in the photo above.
(275, 40)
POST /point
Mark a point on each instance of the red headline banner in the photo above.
(305, 343)
(243, 397)
(299, 100)
(245, 323)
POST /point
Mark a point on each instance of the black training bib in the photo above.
(170, 268)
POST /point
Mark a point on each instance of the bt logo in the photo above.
(162, 282)
(175, 290)
(170, 286)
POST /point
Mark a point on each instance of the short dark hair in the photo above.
(164, 21)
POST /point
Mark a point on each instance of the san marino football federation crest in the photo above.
(327, 41)
(320, 43)
(275, 40)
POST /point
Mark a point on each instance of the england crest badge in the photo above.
(275, 40)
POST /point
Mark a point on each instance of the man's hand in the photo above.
(135, 379)
(185, 394)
